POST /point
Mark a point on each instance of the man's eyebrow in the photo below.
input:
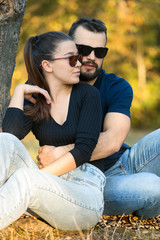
(71, 53)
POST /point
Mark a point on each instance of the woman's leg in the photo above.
(70, 202)
(13, 155)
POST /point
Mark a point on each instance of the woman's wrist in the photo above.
(17, 99)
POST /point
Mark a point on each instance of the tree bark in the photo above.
(11, 16)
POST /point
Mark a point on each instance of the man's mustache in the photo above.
(90, 63)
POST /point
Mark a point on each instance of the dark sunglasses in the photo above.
(84, 50)
(72, 59)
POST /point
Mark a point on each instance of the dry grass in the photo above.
(109, 228)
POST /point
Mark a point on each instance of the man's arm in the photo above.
(116, 127)
(115, 130)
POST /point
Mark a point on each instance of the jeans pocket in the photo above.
(124, 162)
(115, 170)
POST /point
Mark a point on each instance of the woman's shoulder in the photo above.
(85, 88)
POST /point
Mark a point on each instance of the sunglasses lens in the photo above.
(84, 50)
(73, 60)
(100, 52)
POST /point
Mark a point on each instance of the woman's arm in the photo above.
(62, 165)
(15, 122)
(25, 91)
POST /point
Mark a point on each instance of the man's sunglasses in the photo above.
(72, 59)
(84, 50)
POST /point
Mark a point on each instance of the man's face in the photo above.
(91, 65)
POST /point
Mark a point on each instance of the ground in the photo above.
(109, 228)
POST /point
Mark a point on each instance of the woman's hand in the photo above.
(26, 91)
(29, 90)
(49, 154)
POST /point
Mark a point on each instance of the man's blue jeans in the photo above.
(133, 183)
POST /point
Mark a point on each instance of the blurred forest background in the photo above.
(133, 42)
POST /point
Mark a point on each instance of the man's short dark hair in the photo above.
(91, 24)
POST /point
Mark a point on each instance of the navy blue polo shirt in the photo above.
(116, 96)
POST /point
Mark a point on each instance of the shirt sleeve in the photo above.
(88, 128)
(121, 96)
(16, 123)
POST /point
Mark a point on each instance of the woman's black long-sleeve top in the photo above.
(82, 126)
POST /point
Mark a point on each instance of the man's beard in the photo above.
(89, 76)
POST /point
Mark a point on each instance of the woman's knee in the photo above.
(9, 140)
(24, 175)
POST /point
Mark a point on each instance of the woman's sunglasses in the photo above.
(84, 50)
(72, 59)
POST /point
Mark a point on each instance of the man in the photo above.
(132, 174)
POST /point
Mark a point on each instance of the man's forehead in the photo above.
(86, 37)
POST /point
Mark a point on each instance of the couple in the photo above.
(74, 161)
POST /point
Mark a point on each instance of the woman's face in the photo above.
(62, 70)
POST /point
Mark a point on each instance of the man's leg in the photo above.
(132, 184)
(135, 193)
(144, 156)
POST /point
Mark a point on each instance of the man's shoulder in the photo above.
(112, 85)
(112, 78)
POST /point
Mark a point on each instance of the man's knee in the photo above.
(130, 193)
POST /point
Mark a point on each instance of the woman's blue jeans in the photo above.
(72, 201)
(133, 183)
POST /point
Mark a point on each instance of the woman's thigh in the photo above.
(70, 202)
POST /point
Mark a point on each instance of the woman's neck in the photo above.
(59, 91)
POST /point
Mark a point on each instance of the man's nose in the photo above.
(91, 56)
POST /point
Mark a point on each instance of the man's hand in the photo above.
(49, 154)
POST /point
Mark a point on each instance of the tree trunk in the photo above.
(11, 16)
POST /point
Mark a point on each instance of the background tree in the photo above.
(11, 15)
(133, 41)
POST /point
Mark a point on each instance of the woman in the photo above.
(68, 194)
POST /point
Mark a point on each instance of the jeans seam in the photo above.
(15, 153)
(74, 201)
(11, 210)
(84, 182)
(131, 198)
(97, 172)
(123, 168)
(146, 162)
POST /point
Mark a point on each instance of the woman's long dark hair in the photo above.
(36, 50)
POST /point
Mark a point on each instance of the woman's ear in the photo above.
(46, 65)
